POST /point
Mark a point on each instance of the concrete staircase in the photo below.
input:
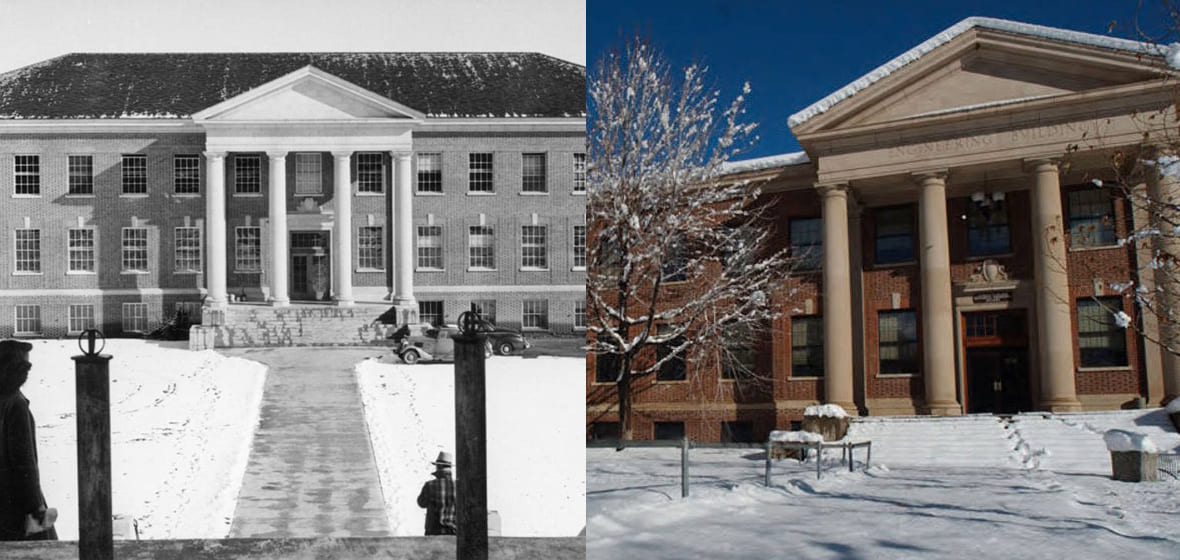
(958, 441)
(1076, 438)
(244, 325)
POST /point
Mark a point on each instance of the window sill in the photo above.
(186, 272)
(133, 195)
(471, 269)
(480, 193)
(81, 273)
(134, 272)
(814, 377)
(26, 196)
(534, 193)
(79, 195)
(236, 271)
(896, 375)
(1085, 248)
(899, 264)
(246, 195)
(430, 270)
(361, 270)
(578, 193)
(525, 269)
(25, 273)
(1103, 369)
(186, 195)
(981, 258)
(432, 193)
(25, 334)
(669, 381)
(578, 269)
(369, 194)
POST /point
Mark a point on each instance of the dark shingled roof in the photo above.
(177, 85)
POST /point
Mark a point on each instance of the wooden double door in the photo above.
(997, 363)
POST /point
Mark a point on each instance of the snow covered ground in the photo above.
(536, 454)
(1035, 487)
(181, 424)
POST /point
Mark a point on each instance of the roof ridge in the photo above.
(950, 33)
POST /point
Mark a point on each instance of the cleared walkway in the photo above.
(311, 471)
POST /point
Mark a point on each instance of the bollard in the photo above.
(471, 445)
(93, 394)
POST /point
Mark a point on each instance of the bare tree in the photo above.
(679, 264)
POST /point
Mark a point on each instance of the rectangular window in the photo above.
(674, 268)
(186, 174)
(1091, 218)
(430, 248)
(247, 175)
(606, 368)
(580, 314)
(371, 248)
(1101, 341)
(669, 431)
(535, 314)
(27, 175)
(430, 173)
(532, 173)
(370, 173)
(737, 361)
(28, 320)
(135, 317)
(248, 249)
(580, 247)
(28, 251)
(309, 177)
(191, 309)
(807, 242)
(135, 174)
(987, 228)
(80, 250)
(895, 234)
(675, 368)
(430, 312)
(897, 332)
(81, 318)
(188, 249)
(741, 431)
(486, 309)
(81, 169)
(481, 248)
(604, 430)
(135, 249)
(579, 173)
(479, 173)
(807, 346)
(533, 254)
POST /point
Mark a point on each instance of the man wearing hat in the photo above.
(23, 515)
(438, 497)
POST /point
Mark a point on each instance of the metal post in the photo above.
(471, 445)
(819, 456)
(768, 463)
(684, 467)
(93, 393)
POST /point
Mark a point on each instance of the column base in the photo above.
(1062, 405)
(276, 302)
(407, 310)
(345, 303)
(950, 408)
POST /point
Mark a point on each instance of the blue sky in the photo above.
(795, 53)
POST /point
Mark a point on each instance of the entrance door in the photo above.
(996, 352)
(311, 268)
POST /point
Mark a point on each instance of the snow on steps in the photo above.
(299, 325)
(1072, 442)
(953, 441)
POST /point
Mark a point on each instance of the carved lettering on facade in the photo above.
(1065, 132)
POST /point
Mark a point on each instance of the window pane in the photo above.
(370, 248)
(1091, 218)
(248, 249)
(897, 333)
(987, 229)
(480, 173)
(247, 174)
(370, 173)
(188, 249)
(533, 173)
(27, 174)
(430, 173)
(430, 247)
(81, 250)
(135, 249)
(1101, 341)
(308, 174)
(28, 251)
(135, 174)
(807, 242)
(186, 174)
(895, 234)
(533, 248)
(481, 248)
(807, 346)
(81, 174)
(579, 173)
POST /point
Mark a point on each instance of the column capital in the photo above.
(929, 176)
(401, 154)
(832, 189)
(1042, 164)
(338, 154)
(277, 153)
(213, 155)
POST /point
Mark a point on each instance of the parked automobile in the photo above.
(503, 341)
(417, 342)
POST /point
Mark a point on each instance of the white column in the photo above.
(837, 302)
(1164, 192)
(215, 228)
(403, 237)
(278, 228)
(343, 231)
(1054, 305)
(938, 317)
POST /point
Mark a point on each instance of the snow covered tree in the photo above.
(679, 266)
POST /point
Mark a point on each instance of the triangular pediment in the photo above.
(976, 67)
(308, 94)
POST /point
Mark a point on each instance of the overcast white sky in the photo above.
(35, 30)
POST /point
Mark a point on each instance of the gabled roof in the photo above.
(178, 85)
(954, 31)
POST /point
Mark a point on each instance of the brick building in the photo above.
(957, 250)
(140, 183)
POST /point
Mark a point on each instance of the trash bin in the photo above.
(1133, 456)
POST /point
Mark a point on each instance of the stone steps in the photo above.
(296, 325)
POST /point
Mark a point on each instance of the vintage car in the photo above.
(503, 341)
(417, 342)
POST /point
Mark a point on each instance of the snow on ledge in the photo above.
(821, 106)
(1173, 406)
(1123, 440)
(825, 410)
(782, 436)
(768, 162)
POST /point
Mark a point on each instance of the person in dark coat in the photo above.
(438, 497)
(20, 480)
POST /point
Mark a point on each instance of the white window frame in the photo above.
(134, 317)
(365, 173)
(31, 254)
(579, 249)
(244, 262)
(30, 170)
(580, 315)
(79, 253)
(135, 175)
(481, 174)
(309, 173)
(78, 322)
(538, 310)
(186, 174)
(481, 248)
(580, 173)
(423, 315)
(183, 261)
(365, 256)
(429, 163)
(129, 249)
(32, 320)
(80, 169)
(243, 184)
(531, 182)
(534, 250)
(426, 246)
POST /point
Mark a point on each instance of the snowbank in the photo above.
(1123, 440)
(1173, 406)
(825, 411)
(535, 435)
(181, 427)
(782, 436)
